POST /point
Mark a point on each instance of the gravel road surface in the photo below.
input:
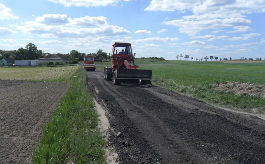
(149, 124)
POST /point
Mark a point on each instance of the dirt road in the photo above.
(155, 125)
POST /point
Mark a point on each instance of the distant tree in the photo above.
(81, 57)
(206, 58)
(21, 54)
(186, 56)
(216, 58)
(1, 54)
(211, 57)
(177, 57)
(39, 54)
(6, 54)
(100, 55)
(32, 51)
(161, 58)
(74, 54)
(180, 56)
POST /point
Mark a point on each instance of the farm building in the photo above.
(7, 62)
(44, 61)
(26, 62)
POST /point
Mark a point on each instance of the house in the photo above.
(7, 62)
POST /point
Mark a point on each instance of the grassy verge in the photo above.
(197, 79)
(71, 135)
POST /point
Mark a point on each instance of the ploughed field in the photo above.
(25, 108)
(149, 124)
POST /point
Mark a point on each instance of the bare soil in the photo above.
(149, 124)
(242, 61)
(25, 107)
(242, 88)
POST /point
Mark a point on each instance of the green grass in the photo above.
(72, 135)
(37, 73)
(196, 79)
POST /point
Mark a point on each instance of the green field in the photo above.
(196, 79)
(37, 73)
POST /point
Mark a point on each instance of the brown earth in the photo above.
(241, 61)
(242, 88)
(149, 124)
(25, 107)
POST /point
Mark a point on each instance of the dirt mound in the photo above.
(242, 88)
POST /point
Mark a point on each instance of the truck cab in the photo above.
(89, 64)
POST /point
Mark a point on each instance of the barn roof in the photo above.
(10, 60)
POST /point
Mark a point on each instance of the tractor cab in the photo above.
(122, 49)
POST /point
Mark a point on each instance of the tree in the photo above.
(180, 56)
(177, 57)
(206, 58)
(1, 54)
(74, 54)
(32, 51)
(216, 58)
(101, 55)
(21, 54)
(186, 56)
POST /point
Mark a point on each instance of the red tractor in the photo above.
(123, 67)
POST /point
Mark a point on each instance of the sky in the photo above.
(155, 28)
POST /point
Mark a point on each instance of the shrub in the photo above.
(50, 63)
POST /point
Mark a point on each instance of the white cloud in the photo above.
(9, 41)
(245, 37)
(194, 43)
(161, 31)
(156, 40)
(211, 37)
(52, 42)
(193, 27)
(242, 28)
(6, 31)
(90, 21)
(52, 19)
(210, 14)
(171, 5)
(56, 25)
(6, 13)
(143, 32)
(85, 3)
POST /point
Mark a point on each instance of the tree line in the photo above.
(31, 52)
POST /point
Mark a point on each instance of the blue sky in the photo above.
(156, 28)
